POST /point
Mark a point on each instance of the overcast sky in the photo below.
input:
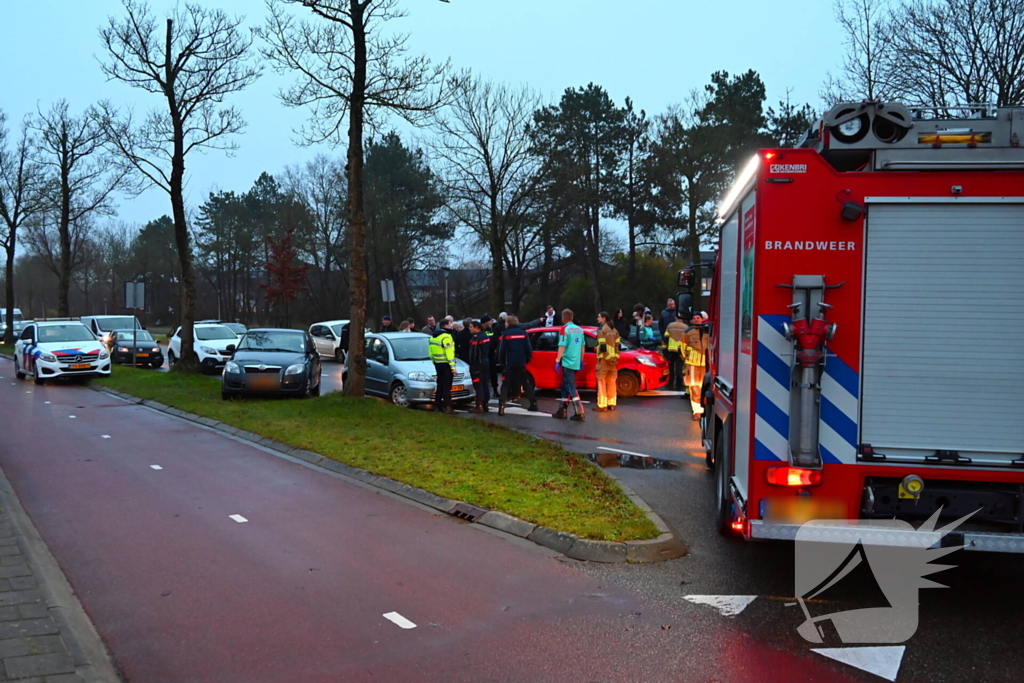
(654, 51)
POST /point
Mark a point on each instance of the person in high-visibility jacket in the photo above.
(442, 354)
(674, 335)
(695, 349)
(607, 363)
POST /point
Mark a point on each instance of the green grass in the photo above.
(465, 459)
(7, 348)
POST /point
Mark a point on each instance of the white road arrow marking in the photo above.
(399, 620)
(238, 518)
(157, 467)
(883, 661)
(728, 605)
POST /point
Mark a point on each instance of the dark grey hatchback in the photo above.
(272, 361)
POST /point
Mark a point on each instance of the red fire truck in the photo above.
(867, 355)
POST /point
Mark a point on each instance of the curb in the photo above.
(666, 547)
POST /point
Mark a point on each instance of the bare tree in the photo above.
(350, 70)
(201, 58)
(483, 155)
(864, 71)
(85, 177)
(22, 200)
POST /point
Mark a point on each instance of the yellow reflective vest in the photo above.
(442, 349)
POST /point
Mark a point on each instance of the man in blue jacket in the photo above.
(514, 354)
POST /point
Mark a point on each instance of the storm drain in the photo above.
(468, 512)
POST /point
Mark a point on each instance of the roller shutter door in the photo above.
(943, 365)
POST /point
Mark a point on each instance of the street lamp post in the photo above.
(447, 271)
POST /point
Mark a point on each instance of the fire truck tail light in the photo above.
(738, 525)
(792, 476)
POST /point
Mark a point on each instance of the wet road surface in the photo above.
(204, 558)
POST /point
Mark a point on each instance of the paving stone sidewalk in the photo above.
(31, 645)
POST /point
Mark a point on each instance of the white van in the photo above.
(103, 325)
(19, 322)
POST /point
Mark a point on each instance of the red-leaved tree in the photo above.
(287, 274)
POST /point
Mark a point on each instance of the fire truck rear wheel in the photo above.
(723, 513)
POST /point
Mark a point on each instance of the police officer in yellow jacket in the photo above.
(674, 335)
(442, 354)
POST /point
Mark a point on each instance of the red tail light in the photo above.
(738, 525)
(792, 476)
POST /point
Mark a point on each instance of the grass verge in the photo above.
(7, 348)
(471, 460)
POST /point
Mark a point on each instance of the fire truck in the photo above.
(867, 358)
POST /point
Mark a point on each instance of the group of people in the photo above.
(501, 350)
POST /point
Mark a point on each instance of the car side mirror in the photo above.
(230, 348)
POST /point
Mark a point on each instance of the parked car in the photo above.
(238, 328)
(103, 325)
(210, 343)
(59, 349)
(19, 322)
(398, 367)
(272, 361)
(147, 351)
(639, 369)
(331, 338)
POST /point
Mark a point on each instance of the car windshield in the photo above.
(237, 328)
(116, 323)
(72, 332)
(213, 332)
(273, 340)
(417, 348)
(129, 335)
(17, 316)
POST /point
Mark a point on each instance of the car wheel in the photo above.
(339, 356)
(400, 395)
(17, 370)
(319, 383)
(38, 380)
(171, 359)
(627, 385)
(225, 396)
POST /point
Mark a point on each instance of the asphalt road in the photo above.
(967, 631)
(204, 558)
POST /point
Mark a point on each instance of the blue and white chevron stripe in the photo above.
(837, 426)
(771, 421)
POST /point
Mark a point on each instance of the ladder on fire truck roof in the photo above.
(880, 136)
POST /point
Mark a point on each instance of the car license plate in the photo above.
(81, 366)
(263, 382)
(141, 355)
(458, 387)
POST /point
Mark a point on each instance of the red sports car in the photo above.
(639, 369)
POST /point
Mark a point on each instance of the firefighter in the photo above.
(442, 354)
(674, 352)
(514, 354)
(480, 366)
(607, 363)
(695, 347)
(569, 361)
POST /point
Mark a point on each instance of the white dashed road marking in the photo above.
(156, 467)
(238, 518)
(46, 402)
(71, 416)
(106, 436)
(399, 620)
(882, 661)
(728, 605)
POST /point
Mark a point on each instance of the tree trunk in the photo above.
(188, 361)
(497, 267)
(594, 258)
(9, 293)
(356, 384)
(64, 232)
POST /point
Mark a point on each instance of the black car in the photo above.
(272, 361)
(147, 351)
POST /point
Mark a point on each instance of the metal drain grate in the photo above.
(468, 512)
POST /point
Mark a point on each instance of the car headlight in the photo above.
(104, 355)
(48, 357)
(296, 369)
(124, 349)
(156, 350)
(419, 377)
(232, 367)
(644, 360)
(209, 350)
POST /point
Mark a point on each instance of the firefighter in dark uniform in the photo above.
(480, 366)
(514, 354)
(442, 354)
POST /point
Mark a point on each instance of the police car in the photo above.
(55, 349)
